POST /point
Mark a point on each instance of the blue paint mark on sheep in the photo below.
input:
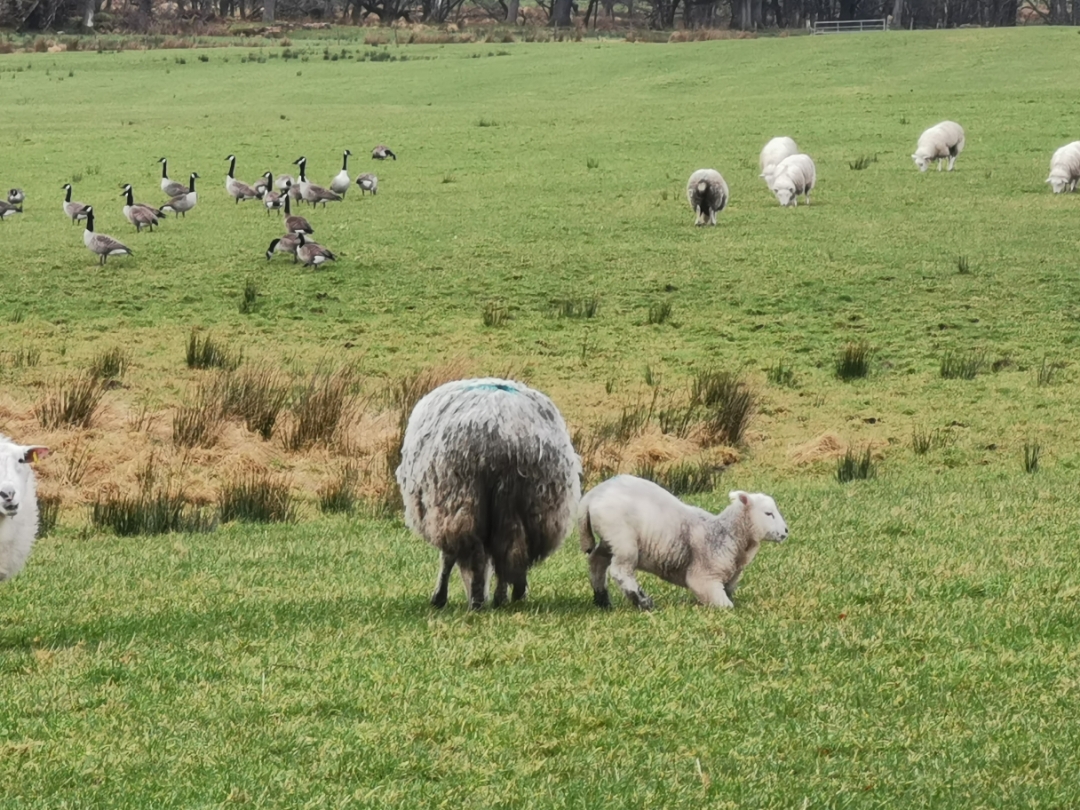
(492, 387)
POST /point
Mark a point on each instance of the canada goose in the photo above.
(310, 192)
(368, 182)
(16, 196)
(271, 199)
(8, 210)
(182, 203)
(340, 183)
(284, 181)
(99, 243)
(170, 187)
(261, 186)
(139, 214)
(295, 224)
(75, 210)
(237, 189)
(312, 254)
(382, 152)
(284, 244)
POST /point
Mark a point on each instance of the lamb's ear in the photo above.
(739, 495)
(32, 454)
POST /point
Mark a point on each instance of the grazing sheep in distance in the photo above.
(772, 153)
(629, 523)
(489, 477)
(708, 194)
(795, 175)
(18, 504)
(944, 140)
(1065, 168)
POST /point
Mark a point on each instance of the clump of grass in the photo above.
(158, 512)
(956, 366)
(249, 299)
(688, 478)
(728, 404)
(71, 402)
(577, 307)
(205, 352)
(257, 497)
(494, 314)
(449, 178)
(659, 312)
(1032, 450)
(1044, 374)
(110, 364)
(963, 267)
(781, 375)
(854, 360)
(592, 163)
(321, 408)
(631, 420)
(339, 495)
(921, 441)
(199, 423)
(256, 395)
(48, 514)
(862, 162)
(24, 357)
(487, 122)
(855, 467)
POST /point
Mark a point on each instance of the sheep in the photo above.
(1065, 168)
(708, 194)
(18, 504)
(488, 476)
(795, 175)
(772, 153)
(629, 523)
(944, 140)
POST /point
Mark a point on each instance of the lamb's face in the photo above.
(921, 162)
(1058, 183)
(15, 475)
(785, 192)
(768, 522)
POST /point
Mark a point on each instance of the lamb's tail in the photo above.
(588, 542)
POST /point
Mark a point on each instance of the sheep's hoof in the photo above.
(519, 592)
(642, 601)
(601, 599)
(438, 599)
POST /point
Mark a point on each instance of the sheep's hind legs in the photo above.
(438, 598)
(598, 569)
(519, 587)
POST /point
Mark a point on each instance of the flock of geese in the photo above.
(275, 196)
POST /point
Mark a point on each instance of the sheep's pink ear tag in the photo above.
(35, 454)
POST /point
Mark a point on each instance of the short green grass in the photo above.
(912, 644)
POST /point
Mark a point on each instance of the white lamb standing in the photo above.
(1065, 168)
(944, 140)
(18, 504)
(772, 153)
(795, 175)
(707, 194)
(629, 524)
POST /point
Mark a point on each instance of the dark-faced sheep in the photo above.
(489, 477)
(708, 194)
(629, 524)
(18, 504)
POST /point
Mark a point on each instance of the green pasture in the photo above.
(913, 644)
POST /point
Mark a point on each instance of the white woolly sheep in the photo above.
(18, 504)
(708, 194)
(489, 477)
(944, 140)
(630, 524)
(795, 175)
(772, 153)
(1065, 168)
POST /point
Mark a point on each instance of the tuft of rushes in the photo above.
(853, 361)
(206, 352)
(256, 497)
(71, 402)
(853, 466)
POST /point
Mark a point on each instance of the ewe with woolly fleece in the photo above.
(944, 140)
(489, 477)
(772, 153)
(1065, 168)
(708, 194)
(630, 524)
(18, 504)
(795, 175)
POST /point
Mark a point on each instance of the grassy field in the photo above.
(912, 645)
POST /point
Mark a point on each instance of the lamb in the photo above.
(795, 175)
(18, 504)
(1065, 168)
(489, 477)
(708, 195)
(772, 153)
(629, 523)
(944, 140)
